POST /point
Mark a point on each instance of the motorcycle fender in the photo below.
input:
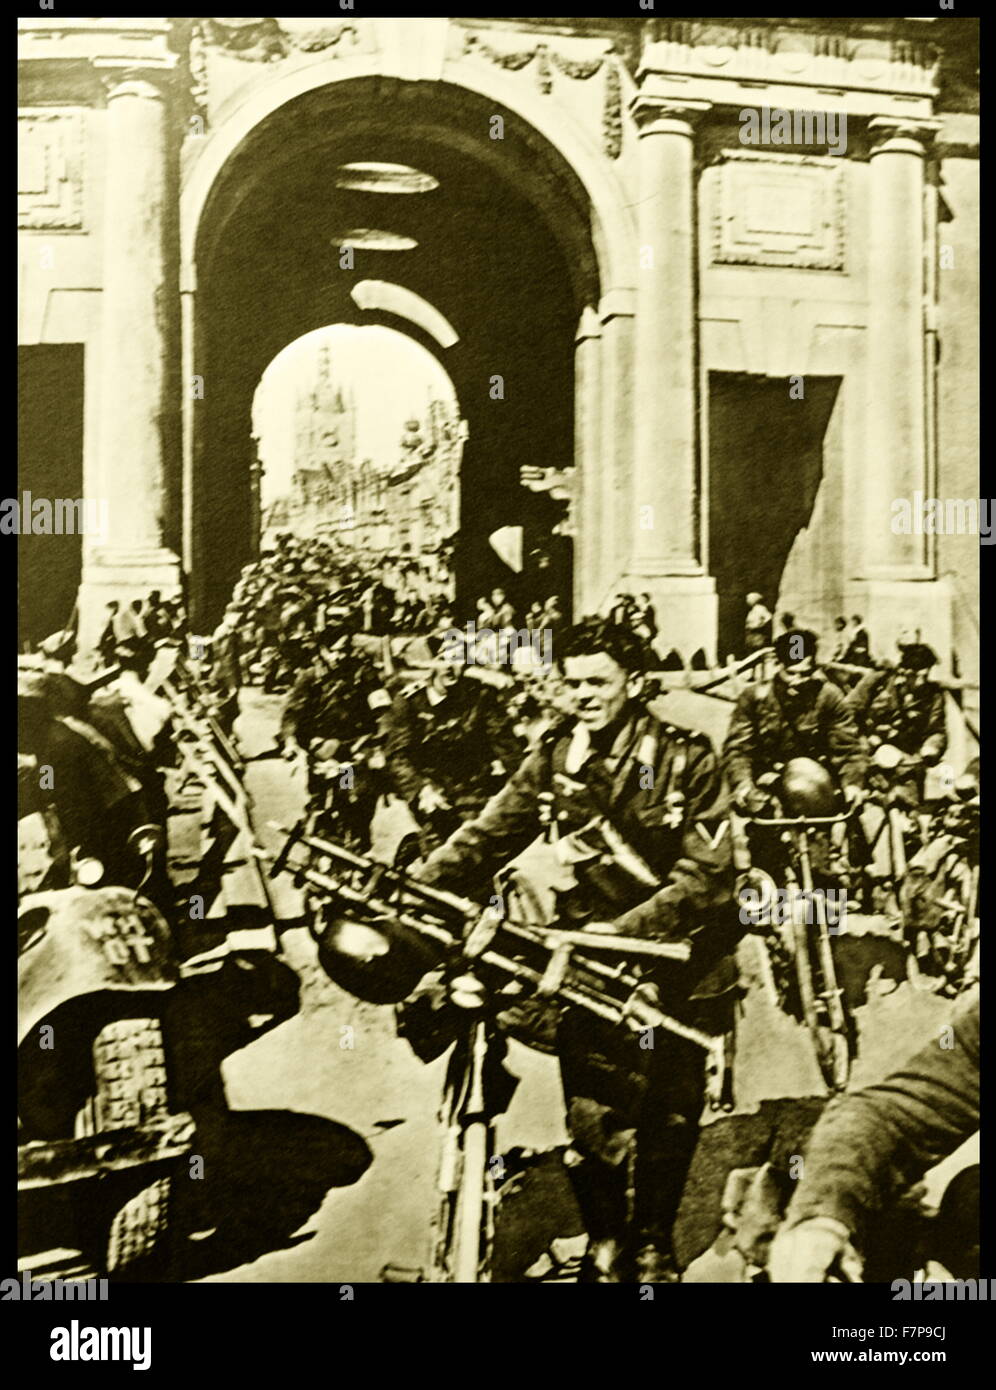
(78, 941)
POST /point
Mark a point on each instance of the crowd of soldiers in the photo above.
(486, 754)
(286, 597)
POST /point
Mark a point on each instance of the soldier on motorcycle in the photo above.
(79, 778)
(905, 708)
(332, 707)
(797, 714)
(448, 741)
(638, 811)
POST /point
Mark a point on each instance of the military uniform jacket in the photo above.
(872, 1144)
(767, 729)
(881, 702)
(662, 792)
(452, 745)
(331, 704)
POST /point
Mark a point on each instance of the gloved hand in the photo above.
(806, 1254)
(854, 795)
(750, 800)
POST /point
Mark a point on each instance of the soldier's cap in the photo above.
(753, 598)
(795, 645)
(916, 656)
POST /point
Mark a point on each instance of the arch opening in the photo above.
(503, 253)
(359, 438)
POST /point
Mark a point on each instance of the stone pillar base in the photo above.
(892, 606)
(687, 611)
(123, 575)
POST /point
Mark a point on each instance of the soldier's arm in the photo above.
(702, 877)
(399, 737)
(845, 745)
(740, 744)
(871, 1144)
(933, 746)
(860, 697)
(503, 829)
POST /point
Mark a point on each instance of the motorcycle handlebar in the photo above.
(570, 988)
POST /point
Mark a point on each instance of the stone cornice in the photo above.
(831, 65)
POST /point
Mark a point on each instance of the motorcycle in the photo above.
(797, 916)
(386, 938)
(939, 899)
(898, 833)
(93, 1082)
(345, 782)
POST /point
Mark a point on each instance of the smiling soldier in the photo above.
(636, 809)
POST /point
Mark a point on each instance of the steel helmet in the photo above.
(806, 788)
(380, 962)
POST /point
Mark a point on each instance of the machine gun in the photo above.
(380, 932)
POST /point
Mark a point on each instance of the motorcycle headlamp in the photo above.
(88, 872)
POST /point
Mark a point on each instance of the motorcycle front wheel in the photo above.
(129, 1089)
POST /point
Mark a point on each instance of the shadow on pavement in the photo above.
(265, 1173)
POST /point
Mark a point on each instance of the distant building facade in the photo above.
(405, 507)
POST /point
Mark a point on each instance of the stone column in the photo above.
(587, 461)
(616, 313)
(667, 496)
(897, 577)
(130, 558)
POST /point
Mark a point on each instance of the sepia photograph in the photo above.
(499, 524)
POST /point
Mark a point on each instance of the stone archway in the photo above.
(511, 251)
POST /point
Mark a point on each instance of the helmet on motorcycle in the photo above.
(806, 788)
(379, 962)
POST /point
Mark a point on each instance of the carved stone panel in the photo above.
(779, 210)
(50, 169)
